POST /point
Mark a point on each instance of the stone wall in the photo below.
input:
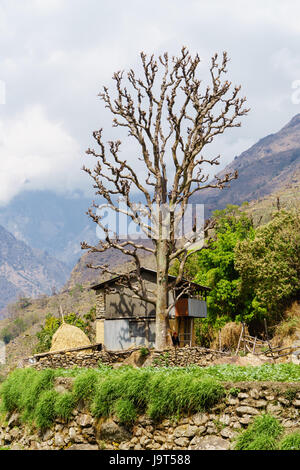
(169, 357)
(215, 429)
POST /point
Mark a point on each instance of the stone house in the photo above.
(123, 321)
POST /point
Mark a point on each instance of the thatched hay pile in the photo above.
(68, 337)
(228, 336)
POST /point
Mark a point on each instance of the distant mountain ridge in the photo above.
(273, 161)
(50, 222)
(272, 164)
(26, 272)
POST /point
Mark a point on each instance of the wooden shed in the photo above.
(123, 321)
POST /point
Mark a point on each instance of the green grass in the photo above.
(262, 434)
(290, 442)
(125, 392)
(128, 392)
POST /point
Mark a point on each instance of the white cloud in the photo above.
(59, 54)
(36, 154)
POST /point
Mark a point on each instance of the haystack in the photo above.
(68, 337)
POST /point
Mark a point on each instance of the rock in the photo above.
(260, 403)
(209, 443)
(161, 439)
(135, 359)
(274, 409)
(85, 420)
(246, 419)
(7, 438)
(110, 431)
(63, 384)
(144, 440)
(227, 433)
(124, 446)
(72, 433)
(242, 395)
(182, 442)
(246, 410)
(14, 420)
(83, 447)
(200, 419)
(185, 430)
(48, 434)
(14, 433)
(59, 440)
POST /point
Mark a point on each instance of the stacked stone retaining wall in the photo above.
(215, 429)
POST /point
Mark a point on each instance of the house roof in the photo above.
(151, 271)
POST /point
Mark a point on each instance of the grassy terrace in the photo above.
(128, 392)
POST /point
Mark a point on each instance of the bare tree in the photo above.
(172, 117)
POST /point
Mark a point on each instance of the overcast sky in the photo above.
(57, 54)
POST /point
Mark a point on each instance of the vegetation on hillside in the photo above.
(254, 273)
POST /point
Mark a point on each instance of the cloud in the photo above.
(36, 153)
(57, 54)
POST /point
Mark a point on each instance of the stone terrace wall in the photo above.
(215, 429)
(169, 357)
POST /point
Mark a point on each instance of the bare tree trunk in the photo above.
(162, 320)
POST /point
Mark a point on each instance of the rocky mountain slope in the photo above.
(26, 272)
(268, 170)
(262, 169)
(50, 222)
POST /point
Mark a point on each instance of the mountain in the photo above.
(26, 272)
(262, 169)
(116, 260)
(50, 222)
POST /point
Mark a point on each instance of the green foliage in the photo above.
(216, 266)
(128, 392)
(45, 409)
(262, 434)
(84, 387)
(290, 442)
(64, 405)
(179, 393)
(157, 392)
(14, 329)
(144, 352)
(269, 266)
(234, 391)
(125, 411)
(290, 394)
